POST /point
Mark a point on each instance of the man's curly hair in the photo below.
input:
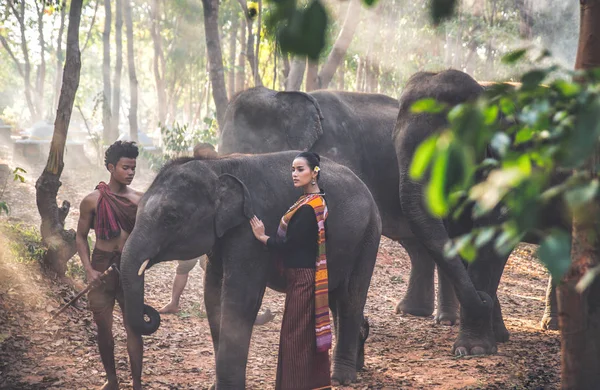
(120, 149)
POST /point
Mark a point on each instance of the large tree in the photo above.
(579, 309)
(106, 90)
(133, 82)
(60, 242)
(116, 100)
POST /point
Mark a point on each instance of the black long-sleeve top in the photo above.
(299, 247)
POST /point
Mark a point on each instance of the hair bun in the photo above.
(317, 156)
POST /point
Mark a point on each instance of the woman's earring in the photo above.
(313, 182)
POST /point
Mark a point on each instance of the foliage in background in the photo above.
(179, 140)
(542, 133)
(17, 176)
(24, 242)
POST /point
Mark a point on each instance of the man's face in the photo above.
(124, 171)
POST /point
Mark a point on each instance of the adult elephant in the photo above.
(197, 207)
(355, 130)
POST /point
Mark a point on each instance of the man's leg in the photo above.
(184, 267)
(106, 345)
(178, 286)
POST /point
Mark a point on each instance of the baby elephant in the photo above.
(197, 207)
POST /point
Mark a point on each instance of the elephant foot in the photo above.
(447, 317)
(110, 385)
(549, 322)
(476, 335)
(414, 307)
(343, 376)
(500, 332)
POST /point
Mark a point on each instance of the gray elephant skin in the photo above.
(197, 207)
(355, 130)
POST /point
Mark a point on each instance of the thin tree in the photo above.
(59, 54)
(133, 83)
(340, 47)
(240, 77)
(60, 243)
(159, 62)
(579, 311)
(106, 98)
(232, 56)
(116, 100)
(215, 57)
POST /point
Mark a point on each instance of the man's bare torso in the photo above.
(117, 243)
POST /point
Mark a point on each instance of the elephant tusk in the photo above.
(143, 267)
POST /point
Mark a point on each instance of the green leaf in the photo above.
(4, 207)
(514, 56)
(422, 157)
(427, 105)
(484, 236)
(523, 135)
(468, 252)
(507, 106)
(567, 89)
(532, 79)
(582, 195)
(490, 115)
(555, 253)
(500, 143)
(436, 189)
(584, 137)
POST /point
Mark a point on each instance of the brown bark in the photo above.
(59, 54)
(116, 100)
(232, 57)
(297, 68)
(40, 77)
(579, 312)
(159, 63)
(340, 47)
(89, 33)
(257, 78)
(240, 78)
(215, 57)
(312, 76)
(133, 83)
(60, 243)
(250, 54)
(106, 94)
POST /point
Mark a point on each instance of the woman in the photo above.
(305, 338)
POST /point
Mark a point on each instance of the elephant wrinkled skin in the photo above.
(203, 207)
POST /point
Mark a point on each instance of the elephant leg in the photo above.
(500, 331)
(352, 328)
(476, 335)
(550, 318)
(213, 278)
(419, 298)
(448, 306)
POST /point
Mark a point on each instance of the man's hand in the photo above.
(93, 276)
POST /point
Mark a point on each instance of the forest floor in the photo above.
(402, 352)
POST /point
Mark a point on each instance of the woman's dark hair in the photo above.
(313, 160)
(118, 150)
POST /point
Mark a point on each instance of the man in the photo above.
(202, 150)
(110, 210)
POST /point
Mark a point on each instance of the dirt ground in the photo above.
(402, 352)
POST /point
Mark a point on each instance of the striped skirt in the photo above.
(299, 365)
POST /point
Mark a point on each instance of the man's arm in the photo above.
(86, 215)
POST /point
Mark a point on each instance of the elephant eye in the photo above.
(170, 219)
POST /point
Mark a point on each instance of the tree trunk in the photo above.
(159, 63)
(579, 312)
(359, 73)
(116, 101)
(340, 76)
(312, 76)
(133, 83)
(250, 54)
(215, 57)
(232, 57)
(296, 75)
(240, 78)
(106, 111)
(40, 77)
(59, 55)
(340, 47)
(257, 78)
(60, 243)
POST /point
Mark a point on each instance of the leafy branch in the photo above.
(17, 176)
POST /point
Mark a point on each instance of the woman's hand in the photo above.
(258, 228)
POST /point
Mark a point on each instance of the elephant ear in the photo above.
(303, 119)
(234, 205)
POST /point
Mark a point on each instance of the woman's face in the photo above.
(302, 175)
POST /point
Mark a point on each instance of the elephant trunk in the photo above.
(134, 254)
